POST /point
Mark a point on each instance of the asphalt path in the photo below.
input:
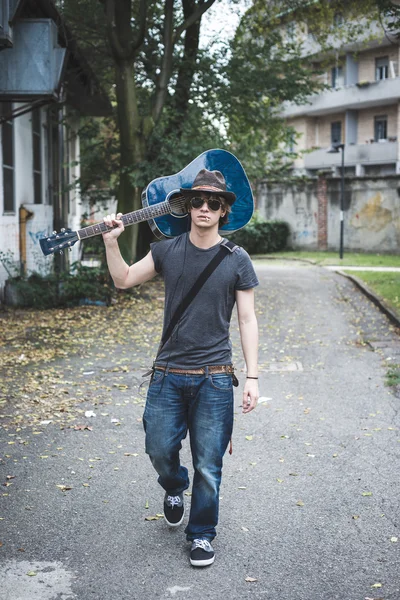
(310, 496)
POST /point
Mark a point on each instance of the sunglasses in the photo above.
(213, 203)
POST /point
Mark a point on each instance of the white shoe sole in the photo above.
(174, 524)
(202, 563)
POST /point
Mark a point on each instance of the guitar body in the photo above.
(164, 188)
(164, 206)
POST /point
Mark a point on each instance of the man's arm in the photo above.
(248, 328)
(123, 275)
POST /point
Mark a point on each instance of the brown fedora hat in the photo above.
(212, 182)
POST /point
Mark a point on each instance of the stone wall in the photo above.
(312, 210)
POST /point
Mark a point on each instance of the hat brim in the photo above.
(230, 197)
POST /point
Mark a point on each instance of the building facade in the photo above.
(360, 107)
(355, 118)
(45, 87)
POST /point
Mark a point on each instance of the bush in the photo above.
(82, 285)
(261, 237)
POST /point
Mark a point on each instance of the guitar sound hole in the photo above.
(177, 203)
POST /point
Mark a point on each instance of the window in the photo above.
(7, 146)
(37, 156)
(382, 68)
(380, 128)
(337, 77)
(338, 19)
(336, 132)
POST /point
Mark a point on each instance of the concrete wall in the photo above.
(371, 213)
(297, 205)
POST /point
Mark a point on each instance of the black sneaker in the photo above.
(174, 509)
(201, 553)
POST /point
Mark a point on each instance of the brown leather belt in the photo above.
(201, 371)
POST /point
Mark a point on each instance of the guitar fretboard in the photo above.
(137, 216)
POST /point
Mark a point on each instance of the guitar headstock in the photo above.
(58, 242)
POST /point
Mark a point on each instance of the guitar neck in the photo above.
(137, 216)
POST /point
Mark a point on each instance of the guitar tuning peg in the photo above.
(61, 252)
(54, 232)
(63, 230)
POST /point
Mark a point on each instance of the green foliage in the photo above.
(99, 159)
(83, 285)
(262, 237)
(265, 68)
(86, 285)
(393, 376)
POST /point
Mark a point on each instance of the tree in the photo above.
(174, 100)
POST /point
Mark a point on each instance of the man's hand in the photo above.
(115, 225)
(250, 395)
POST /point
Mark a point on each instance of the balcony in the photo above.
(356, 97)
(378, 153)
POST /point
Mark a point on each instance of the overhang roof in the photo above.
(83, 90)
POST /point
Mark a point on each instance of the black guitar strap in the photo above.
(225, 247)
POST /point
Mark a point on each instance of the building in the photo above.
(358, 109)
(361, 108)
(46, 85)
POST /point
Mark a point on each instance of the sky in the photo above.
(221, 20)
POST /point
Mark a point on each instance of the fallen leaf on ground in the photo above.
(251, 579)
(64, 488)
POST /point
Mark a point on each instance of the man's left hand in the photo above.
(250, 395)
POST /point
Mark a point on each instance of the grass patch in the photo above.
(393, 376)
(350, 259)
(385, 285)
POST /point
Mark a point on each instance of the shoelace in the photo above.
(204, 544)
(174, 500)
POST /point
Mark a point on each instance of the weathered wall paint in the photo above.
(371, 212)
(297, 206)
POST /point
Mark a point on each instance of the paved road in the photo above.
(310, 496)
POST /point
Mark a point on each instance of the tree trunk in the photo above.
(180, 100)
(132, 147)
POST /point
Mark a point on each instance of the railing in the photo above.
(356, 97)
(354, 154)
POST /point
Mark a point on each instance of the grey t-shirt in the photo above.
(202, 335)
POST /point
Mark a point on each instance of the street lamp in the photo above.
(334, 150)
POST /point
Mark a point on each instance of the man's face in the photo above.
(204, 217)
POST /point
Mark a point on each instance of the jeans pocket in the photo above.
(221, 381)
(156, 377)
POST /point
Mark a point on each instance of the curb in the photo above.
(392, 316)
(269, 257)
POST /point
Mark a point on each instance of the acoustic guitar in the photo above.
(164, 205)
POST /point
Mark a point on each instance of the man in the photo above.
(191, 385)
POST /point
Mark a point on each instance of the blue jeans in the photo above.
(202, 404)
